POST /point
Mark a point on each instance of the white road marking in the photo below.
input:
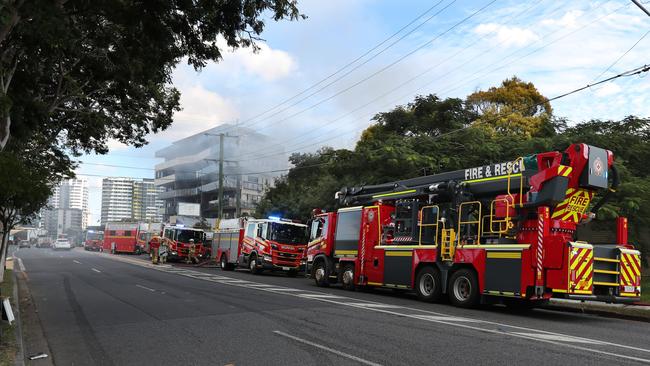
(447, 318)
(441, 317)
(96, 270)
(558, 338)
(328, 349)
(21, 265)
(320, 296)
(76, 261)
(146, 288)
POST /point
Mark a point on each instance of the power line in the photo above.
(354, 61)
(329, 123)
(383, 68)
(356, 67)
(621, 56)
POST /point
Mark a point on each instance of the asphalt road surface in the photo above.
(98, 309)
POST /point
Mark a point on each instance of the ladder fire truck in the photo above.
(273, 244)
(500, 233)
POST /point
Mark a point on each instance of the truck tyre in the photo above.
(347, 277)
(292, 273)
(428, 285)
(223, 262)
(463, 288)
(321, 274)
(252, 264)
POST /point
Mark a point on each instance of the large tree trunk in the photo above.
(5, 124)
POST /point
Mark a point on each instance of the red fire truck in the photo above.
(94, 240)
(500, 233)
(179, 239)
(121, 237)
(272, 244)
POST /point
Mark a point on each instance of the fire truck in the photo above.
(94, 239)
(178, 240)
(121, 237)
(262, 244)
(499, 233)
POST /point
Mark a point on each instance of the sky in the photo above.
(318, 81)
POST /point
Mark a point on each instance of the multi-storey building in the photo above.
(190, 172)
(130, 199)
(67, 208)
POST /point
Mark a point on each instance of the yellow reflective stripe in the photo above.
(559, 290)
(575, 260)
(492, 178)
(406, 246)
(390, 253)
(582, 292)
(337, 252)
(504, 255)
(629, 294)
(375, 283)
(394, 193)
(494, 246)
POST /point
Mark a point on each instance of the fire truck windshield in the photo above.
(288, 234)
(184, 236)
(94, 236)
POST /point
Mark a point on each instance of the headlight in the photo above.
(268, 258)
(174, 253)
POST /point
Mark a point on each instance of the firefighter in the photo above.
(191, 252)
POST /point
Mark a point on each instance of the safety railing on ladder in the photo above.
(429, 217)
(471, 210)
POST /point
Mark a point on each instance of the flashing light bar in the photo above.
(276, 218)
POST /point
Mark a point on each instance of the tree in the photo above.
(81, 72)
(25, 189)
(514, 108)
(75, 73)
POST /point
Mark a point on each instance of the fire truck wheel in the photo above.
(463, 288)
(292, 273)
(428, 285)
(347, 277)
(321, 275)
(223, 262)
(252, 264)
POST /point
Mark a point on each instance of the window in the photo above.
(169, 233)
(251, 230)
(111, 232)
(264, 233)
(127, 233)
(348, 226)
(318, 228)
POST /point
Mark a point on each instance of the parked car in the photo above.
(25, 244)
(62, 244)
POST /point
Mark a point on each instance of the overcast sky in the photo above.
(556, 44)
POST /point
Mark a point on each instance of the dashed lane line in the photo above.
(441, 318)
(76, 261)
(145, 287)
(328, 349)
(96, 270)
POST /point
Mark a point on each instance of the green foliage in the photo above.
(431, 135)
(513, 108)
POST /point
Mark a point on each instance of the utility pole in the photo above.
(221, 139)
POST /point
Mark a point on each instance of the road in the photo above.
(120, 310)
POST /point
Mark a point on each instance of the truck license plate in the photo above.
(629, 288)
(285, 268)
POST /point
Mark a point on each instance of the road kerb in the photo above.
(637, 312)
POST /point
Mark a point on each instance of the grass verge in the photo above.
(645, 289)
(8, 346)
